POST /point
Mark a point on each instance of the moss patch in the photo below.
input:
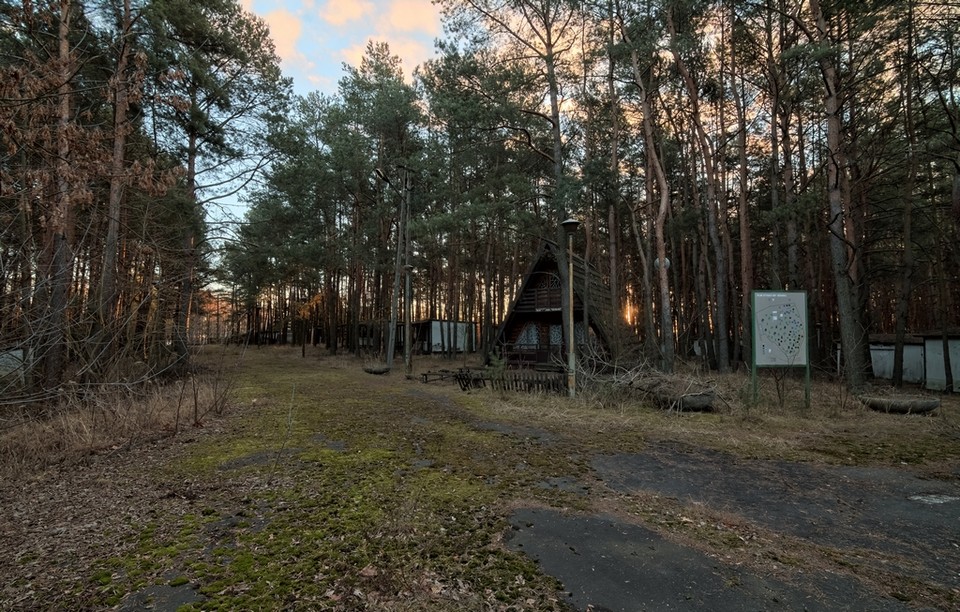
(402, 514)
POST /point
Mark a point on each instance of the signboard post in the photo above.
(780, 333)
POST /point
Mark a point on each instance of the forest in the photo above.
(776, 144)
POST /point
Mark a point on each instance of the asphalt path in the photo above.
(891, 520)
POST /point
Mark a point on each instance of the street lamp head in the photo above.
(570, 225)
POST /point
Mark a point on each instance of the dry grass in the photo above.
(34, 437)
(835, 428)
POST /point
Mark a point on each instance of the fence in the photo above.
(528, 381)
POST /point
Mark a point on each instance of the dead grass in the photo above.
(109, 418)
(836, 428)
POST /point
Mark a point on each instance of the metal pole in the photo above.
(407, 324)
(408, 288)
(571, 354)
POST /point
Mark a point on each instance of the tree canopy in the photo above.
(782, 144)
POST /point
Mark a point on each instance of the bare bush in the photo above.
(632, 379)
(110, 419)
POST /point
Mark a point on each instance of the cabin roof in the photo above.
(590, 291)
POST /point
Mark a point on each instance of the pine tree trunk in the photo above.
(667, 350)
(907, 259)
(746, 248)
(712, 204)
(107, 307)
(853, 334)
(188, 263)
(614, 190)
(61, 218)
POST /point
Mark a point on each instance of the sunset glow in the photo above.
(314, 38)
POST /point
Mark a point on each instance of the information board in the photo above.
(780, 329)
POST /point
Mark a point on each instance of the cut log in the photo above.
(900, 404)
(380, 369)
(700, 401)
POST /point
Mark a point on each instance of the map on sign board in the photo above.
(780, 328)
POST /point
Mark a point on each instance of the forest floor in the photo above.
(324, 487)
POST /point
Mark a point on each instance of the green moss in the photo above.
(148, 532)
(114, 599)
(179, 581)
(102, 577)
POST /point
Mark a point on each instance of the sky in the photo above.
(314, 38)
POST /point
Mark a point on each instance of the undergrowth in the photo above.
(110, 417)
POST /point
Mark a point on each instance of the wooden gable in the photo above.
(532, 333)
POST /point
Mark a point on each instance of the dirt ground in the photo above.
(624, 516)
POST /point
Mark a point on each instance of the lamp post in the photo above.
(570, 226)
(407, 324)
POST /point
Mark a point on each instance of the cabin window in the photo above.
(556, 335)
(550, 282)
(580, 333)
(546, 293)
(529, 335)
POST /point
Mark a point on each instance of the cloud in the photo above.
(321, 82)
(353, 55)
(410, 16)
(340, 12)
(405, 25)
(285, 30)
(313, 37)
(412, 53)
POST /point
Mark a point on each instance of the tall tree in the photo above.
(681, 37)
(385, 108)
(124, 87)
(542, 32)
(844, 239)
(218, 77)
(640, 33)
(62, 214)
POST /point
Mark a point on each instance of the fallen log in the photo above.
(676, 393)
(902, 404)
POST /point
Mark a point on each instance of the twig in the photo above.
(286, 436)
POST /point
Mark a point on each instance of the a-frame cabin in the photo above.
(531, 334)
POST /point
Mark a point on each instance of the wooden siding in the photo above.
(539, 301)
